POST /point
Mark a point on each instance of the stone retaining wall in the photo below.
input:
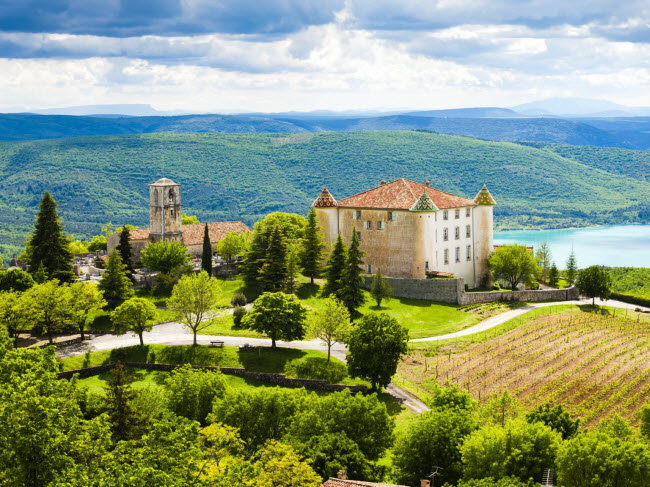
(276, 379)
(452, 290)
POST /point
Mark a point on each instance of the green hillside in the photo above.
(104, 178)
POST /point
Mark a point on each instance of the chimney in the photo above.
(426, 183)
(425, 483)
(341, 475)
(382, 182)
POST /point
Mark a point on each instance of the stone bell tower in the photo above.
(165, 210)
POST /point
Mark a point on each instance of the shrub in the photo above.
(316, 368)
(192, 391)
(239, 299)
(238, 315)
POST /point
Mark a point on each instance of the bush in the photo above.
(239, 299)
(629, 298)
(238, 315)
(164, 283)
(316, 368)
(192, 391)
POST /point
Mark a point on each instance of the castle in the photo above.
(409, 230)
(165, 223)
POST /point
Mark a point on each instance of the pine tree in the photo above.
(380, 290)
(48, 245)
(125, 250)
(255, 257)
(311, 250)
(553, 275)
(206, 256)
(334, 269)
(273, 274)
(291, 284)
(571, 267)
(126, 421)
(115, 283)
(351, 293)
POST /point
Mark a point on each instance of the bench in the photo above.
(216, 344)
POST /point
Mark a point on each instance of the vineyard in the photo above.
(595, 364)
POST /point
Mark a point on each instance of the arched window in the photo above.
(171, 195)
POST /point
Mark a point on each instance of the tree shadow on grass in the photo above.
(588, 308)
(164, 354)
(306, 291)
(265, 359)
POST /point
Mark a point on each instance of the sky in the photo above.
(279, 55)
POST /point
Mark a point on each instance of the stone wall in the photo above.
(452, 290)
(276, 379)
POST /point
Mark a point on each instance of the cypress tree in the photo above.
(553, 275)
(49, 246)
(273, 274)
(311, 249)
(115, 283)
(126, 252)
(571, 267)
(351, 294)
(206, 256)
(334, 269)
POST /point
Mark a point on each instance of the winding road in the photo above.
(176, 334)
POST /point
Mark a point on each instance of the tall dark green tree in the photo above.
(126, 251)
(553, 275)
(126, 421)
(48, 245)
(571, 267)
(273, 274)
(595, 282)
(335, 267)
(311, 247)
(351, 293)
(115, 283)
(206, 256)
(255, 257)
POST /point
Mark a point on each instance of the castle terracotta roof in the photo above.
(324, 200)
(332, 482)
(403, 194)
(484, 197)
(193, 234)
(424, 203)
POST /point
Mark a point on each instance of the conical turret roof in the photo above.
(325, 200)
(484, 197)
(424, 203)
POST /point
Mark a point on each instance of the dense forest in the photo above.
(231, 177)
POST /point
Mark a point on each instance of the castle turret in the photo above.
(423, 245)
(483, 234)
(327, 213)
(165, 210)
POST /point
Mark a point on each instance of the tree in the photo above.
(189, 219)
(192, 391)
(595, 282)
(544, 259)
(273, 273)
(280, 316)
(380, 289)
(15, 280)
(330, 323)
(335, 267)
(126, 252)
(375, 346)
(126, 421)
(48, 305)
(351, 292)
(165, 256)
(206, 255)
(85, 298)
(291, 225)
(556, 418)
(571, 267)
(330, 452)
(312, 247)
(553, 275)
(115, 283)
(500, 409)
(291, 283)
(280, 466)
(233, 244)
(98, 242)
(136, 315)
(513, 264)
(194, 301)
(13, 314)
(519, 449)
(48, 245)
(434, 438)
(255, 257)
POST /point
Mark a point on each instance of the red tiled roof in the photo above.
(402, 195)
(355, 483)
(193, 234)
(324, 200)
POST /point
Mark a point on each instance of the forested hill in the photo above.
(224, 177)
(631, 133)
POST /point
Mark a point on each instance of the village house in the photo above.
(411, 230)
(165, 223)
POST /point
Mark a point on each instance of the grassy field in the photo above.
(595, 364)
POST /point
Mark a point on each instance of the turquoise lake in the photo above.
(611, 245)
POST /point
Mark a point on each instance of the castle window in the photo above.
(356, 215)
(171, 195)
(367, 224)
(469, 253)
(426, 265)
(381, 225)
(457, 233)
(468, 212)
(468, 231)
(457, 214)
(457, 254)
(392, 216)
(446, 256)
(445, 234)
(369, 269)
(171, 213)
(445, 215)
